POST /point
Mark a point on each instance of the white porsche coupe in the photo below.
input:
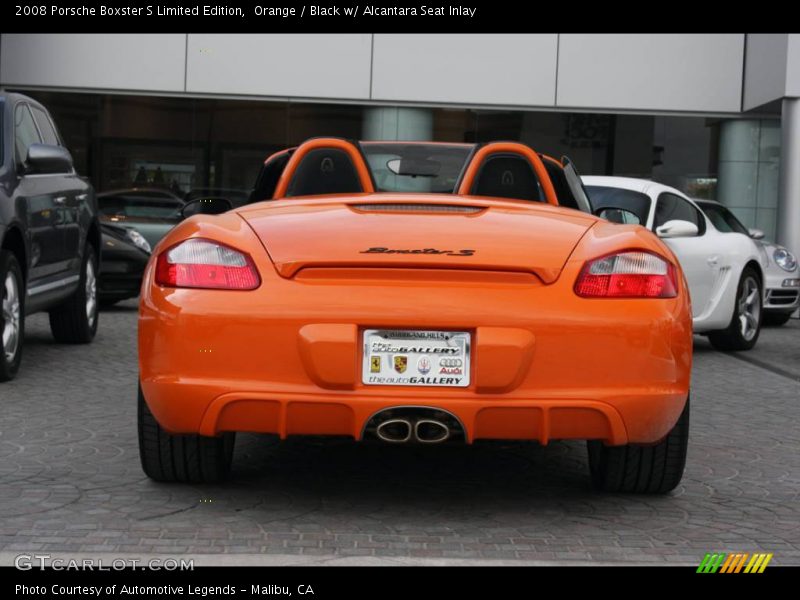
(725, 271)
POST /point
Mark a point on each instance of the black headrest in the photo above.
(325, 171)
(507, 176)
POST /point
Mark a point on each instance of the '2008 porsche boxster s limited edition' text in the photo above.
(415, 293)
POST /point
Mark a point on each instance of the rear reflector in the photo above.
(199, 263)
(632, 274)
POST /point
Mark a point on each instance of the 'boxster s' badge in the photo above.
(375, 364)
(400, 363)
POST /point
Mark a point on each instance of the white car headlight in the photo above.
(784, 259)
(138, 240)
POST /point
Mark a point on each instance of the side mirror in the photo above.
(618, 215)
(677, 228)
(756, 234)
(206, 206)
(44, 159)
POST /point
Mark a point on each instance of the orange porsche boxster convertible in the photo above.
(415, 293)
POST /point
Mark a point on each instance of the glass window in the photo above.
(609, 197)
(25, 132)
(139, 207)
(671, 207)
(616, 215)
(409, 167)
(49, 135)
(576, 186)
(723, 219)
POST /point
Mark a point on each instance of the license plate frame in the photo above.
(428, 358)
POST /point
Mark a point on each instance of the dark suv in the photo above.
(49, 233)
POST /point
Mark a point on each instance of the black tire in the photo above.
(71, 322)
(10, 266)
(775, 319)
(655, 469)
(183, 458)
(731, 338)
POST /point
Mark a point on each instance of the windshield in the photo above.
(139, 207)
(723, 219)
(609, 197)
(416, 167)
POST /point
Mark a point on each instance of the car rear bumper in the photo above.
(644, 418)
(286, 359)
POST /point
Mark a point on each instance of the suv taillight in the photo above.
(629, 274)
(199, 263)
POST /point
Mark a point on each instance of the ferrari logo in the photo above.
(374, 364)
(400, 363)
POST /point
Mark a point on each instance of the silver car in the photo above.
(782, 289)
(782, 275)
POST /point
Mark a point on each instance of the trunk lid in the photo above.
(417, 231)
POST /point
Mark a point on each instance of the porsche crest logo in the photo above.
(400, 363)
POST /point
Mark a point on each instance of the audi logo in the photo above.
(450, 362)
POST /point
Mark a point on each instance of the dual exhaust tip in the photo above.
(424, 431)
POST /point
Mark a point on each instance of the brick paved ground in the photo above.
(70, 480)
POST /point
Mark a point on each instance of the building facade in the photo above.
(717, 116)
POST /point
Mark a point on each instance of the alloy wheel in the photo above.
(749, 307)
(91, 293)
(11, 317)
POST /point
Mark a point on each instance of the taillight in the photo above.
(199, 263)
(631, 274)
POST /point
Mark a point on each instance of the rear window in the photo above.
(610, 197)
(400, 167)
(723, 219)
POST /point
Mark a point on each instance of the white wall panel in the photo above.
(145, 62)
(670, 72)
(319, 66)
(479, 69)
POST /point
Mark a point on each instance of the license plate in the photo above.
(421, 358)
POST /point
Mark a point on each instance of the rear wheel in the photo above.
(775, 319)
(184, 458)
(745, 326)
(75, 321)
(655, 469)
(12, 315)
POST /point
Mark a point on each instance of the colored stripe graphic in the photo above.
(729, 562)
(727, 566)
(741, 562)
(765, 563)
(751, 563)
(711, 563)
(734, 563)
